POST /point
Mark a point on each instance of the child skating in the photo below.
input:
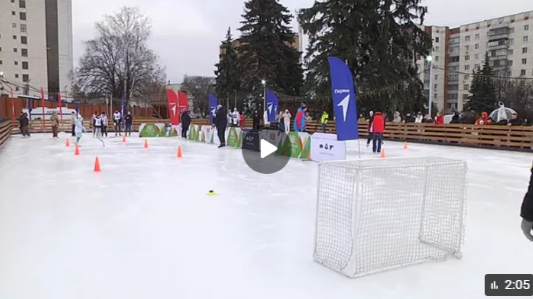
(79, 129)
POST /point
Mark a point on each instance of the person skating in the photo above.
(73, 123)
(221, 122)
(54, 123)
(129, 123)
(324, 121)
(378, 128)
(117, 119)
(185, 120)
(93, 123)
(79, 128)
(370, 120)
(287, 121)
(526, 212)
(256, 120)
(24, 124)
(105, 124)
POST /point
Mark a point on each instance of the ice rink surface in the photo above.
(144, 227)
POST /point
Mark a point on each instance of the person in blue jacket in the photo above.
(299, 120)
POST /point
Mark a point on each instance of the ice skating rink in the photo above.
(144, 227)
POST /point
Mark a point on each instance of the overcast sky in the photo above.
(187, 33)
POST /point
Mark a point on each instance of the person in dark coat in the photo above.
(256, 120)
(526, 211)
(221, 122)
(185, 120)
(456, 118)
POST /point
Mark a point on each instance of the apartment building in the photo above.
(458, 51)
(36, 44)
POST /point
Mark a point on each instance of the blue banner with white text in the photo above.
(272, 103)
(213, 103)
(344, 104)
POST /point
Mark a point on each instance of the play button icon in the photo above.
(262, 150)
(266, 148)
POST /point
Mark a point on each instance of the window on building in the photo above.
(526, 39)
(24, 52)
(25, 65)
(467, 47)
(16, 62)
(522, 72)
(14, 37)
(526, 27)
(467, 57)
(467, 77)
(436, 58)
(12, 1)
(17, 76)
(24, 40)
(13, 13)
(436, 77)
(477, 36)
(23, 16)
(510, 62)
(437, 39)
(511, 41)
(25, 78)
(511, 52)
(437, 49)
(467, 38)
(0, 49)
(511, 30)
(476, 66)
(1, 62)
(23, 28)
(467, 67)
(22, 3)
(476, 46)
(524, 50)
(454, 59)
(476, 56)
(524, 60)
(15, 50)
(14, 25)
(466, 87)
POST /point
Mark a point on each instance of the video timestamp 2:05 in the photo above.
(509, 285)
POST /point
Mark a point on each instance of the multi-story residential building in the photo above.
(507, 40)
(36, 44)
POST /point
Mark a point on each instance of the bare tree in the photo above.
(518, 95)
(118, 61)
(199, 87)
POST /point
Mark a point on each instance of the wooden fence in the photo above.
(488, 136)
(5, 131)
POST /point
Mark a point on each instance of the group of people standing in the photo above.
(100, 123)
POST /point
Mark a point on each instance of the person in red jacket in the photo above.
(377, 127)
(483, 120)
(439, 119)
(241, 121)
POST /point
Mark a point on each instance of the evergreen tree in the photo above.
(227, 82)
(482, 89)
(380, 42)
(266, 51)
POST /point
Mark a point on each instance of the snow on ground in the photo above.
(145, 228)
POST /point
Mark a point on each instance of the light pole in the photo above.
(429, 59)
(263, 82)
(1, 75)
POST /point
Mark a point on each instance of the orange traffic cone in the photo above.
(77, 151)
(68, 143)
(382, 153)
(405, 145)
(145, 143)
(179, 152)
(124, 138)
(97, 165)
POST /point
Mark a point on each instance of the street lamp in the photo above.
(263, 82)
(1, 75)
(429, 59)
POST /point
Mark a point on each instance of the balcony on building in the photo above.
(501, 32)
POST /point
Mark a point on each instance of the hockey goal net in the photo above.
(380, 214)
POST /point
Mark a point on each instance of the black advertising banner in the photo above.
(250, 140)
